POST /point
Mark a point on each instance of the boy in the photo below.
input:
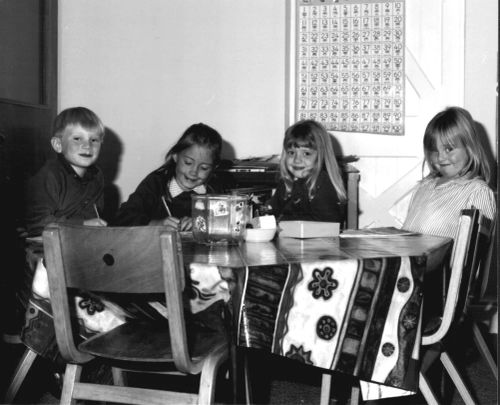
(69, 188)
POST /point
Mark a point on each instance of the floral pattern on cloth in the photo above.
(96, 314)
(207, 287)
(357, 316)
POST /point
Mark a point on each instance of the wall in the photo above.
(481, 59)
(149, 72)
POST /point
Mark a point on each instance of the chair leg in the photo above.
(71, 377)
(22, 369)
(119, 377)
(246, 376)
(457, 380)
(326, 385)
(206, 393)
(426, 391)
(483, 348)
(355, 395)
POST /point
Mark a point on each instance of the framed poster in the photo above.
(347, 64)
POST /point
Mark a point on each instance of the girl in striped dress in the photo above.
(458, 178)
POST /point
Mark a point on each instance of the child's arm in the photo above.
(41, 203)
(483, 198)
(141, 206)
(183, 224)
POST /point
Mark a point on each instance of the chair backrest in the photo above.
(173, 273)
(465, 258)
(113, 260)
(478, 245)
(483, 288)
(352, 184)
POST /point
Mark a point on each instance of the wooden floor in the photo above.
(276, 381)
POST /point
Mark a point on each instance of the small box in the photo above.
(309, 229)
(219, 218)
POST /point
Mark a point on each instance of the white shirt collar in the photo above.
(174, 188)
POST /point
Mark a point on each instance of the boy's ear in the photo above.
(174, 156)
(56, 144)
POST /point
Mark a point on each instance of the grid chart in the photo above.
(350, 65)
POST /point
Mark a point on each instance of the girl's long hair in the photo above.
(311, 134)
(197, 134)
(453, 126)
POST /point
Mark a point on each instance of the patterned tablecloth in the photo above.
(349, 305)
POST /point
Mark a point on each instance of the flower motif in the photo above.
(323, 283)
(91, 305)
(299, 354)
(403, 284)
(409, 321)
(326, 328)
(388, 349)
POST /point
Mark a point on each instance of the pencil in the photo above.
(96, 212)
(166, 206)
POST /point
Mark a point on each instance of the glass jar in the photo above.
(219, 218)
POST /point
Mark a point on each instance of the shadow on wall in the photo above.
(109, 162)
(228, 151)
(484, 141)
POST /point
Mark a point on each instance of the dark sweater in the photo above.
(145, 203)
(324, 206)
(57, 194)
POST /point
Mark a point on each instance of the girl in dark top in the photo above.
(311, 186)
(164, 196)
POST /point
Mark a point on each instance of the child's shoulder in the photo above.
(51, 167)
(478, 184)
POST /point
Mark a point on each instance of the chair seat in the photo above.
(139, 341)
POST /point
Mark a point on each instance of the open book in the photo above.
(381, 232)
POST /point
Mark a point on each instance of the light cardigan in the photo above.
(435, 209)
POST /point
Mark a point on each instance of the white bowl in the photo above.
(259, 234)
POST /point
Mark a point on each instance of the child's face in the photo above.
(80, 147)
(300, 161)
(449, 160)
(193, 166)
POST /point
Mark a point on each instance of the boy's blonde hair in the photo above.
(311, 134)
(81, 116)
(451, 126)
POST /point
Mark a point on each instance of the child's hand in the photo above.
(183, 224)
(172, 223)
(186, 224)
(95, 222)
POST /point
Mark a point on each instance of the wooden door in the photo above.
(28, 91)
(28, 105)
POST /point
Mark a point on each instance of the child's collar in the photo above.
(174, 189)
(89, 173)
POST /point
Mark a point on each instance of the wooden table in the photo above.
(345, 304)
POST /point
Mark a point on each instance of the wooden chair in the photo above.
(32, 253)
(465, 261)
(479, 303)
(482, 302)
(128, 260)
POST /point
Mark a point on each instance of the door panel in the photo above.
(28, 91)
(28, 105)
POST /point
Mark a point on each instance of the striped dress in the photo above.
(435, 209)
